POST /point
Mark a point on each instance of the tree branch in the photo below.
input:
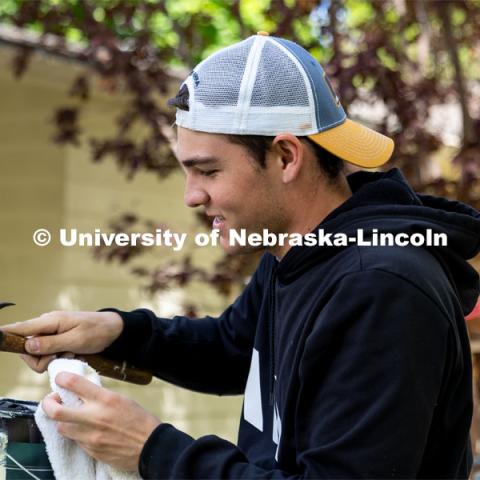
(451, 44)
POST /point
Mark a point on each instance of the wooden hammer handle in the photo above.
(10, 342)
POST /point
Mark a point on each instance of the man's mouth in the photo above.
(218, 221)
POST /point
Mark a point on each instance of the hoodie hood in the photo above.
(385, 201)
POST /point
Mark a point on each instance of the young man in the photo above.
(353, 359)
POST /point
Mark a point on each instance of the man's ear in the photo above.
(288, 153)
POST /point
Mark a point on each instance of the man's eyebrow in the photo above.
(194, 161)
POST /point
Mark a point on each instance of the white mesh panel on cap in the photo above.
(220, 76)
(278, 81)
(260, 121)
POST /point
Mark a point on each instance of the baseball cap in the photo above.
(266, 85)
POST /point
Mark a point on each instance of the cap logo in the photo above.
(196, 78)
(329, 85)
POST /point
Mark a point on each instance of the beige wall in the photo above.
(46, 186)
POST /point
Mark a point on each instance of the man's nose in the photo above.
(195, 196)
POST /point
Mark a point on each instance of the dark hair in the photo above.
(259, 145)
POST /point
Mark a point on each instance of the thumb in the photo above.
(48, 344)
(39, 345)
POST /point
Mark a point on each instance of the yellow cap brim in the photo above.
(356, 144)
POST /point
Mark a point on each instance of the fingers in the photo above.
(56, 397)
(45, 324)
(54, 409)
(82, 387)
(38, 364)
(73, 431)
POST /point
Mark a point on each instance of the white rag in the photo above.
(69, 461)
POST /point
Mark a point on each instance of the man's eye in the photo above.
(208, 173)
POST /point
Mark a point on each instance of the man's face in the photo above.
(226, 181)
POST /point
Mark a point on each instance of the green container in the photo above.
(33, 460)
(22, 449)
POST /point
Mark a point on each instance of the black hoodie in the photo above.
(354, 361)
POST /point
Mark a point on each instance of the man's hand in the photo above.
(60, 332)
(108, 426)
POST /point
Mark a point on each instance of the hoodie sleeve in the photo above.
(372, 370)
(210, 355)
